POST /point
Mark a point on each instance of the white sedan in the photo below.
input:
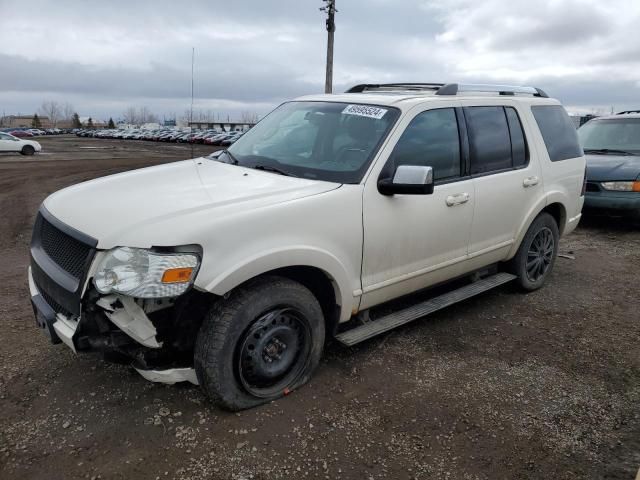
(9, 143)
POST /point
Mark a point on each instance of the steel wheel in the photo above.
(540, 254)
(273, 352)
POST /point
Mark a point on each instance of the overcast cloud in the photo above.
(251, 55)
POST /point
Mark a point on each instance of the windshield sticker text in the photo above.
(365, 111)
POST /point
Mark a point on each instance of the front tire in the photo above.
(260, 343)
(537, 253)
(28, 150)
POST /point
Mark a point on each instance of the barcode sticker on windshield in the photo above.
(365, 111)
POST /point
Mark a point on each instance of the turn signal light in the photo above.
(636, 186)
(177, 275)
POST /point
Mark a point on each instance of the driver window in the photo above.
(431, 140)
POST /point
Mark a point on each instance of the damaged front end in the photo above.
(135, 306)
(155, 336)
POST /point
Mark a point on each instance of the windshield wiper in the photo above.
(607, 151)
(216, 156)
(269, 168)
(232, 160)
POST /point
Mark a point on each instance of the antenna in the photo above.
(193, 55)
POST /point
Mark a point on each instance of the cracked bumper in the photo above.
(56, 326)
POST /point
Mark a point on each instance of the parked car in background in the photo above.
(231, 139)
(612, 148)
(21, 133)
(11, 143)
(217, 140)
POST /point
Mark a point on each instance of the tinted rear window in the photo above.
(489, 141)
(518, 143)
(558, 132)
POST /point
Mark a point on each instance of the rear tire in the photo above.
(28, 150)
(537, 253)
(260, 343)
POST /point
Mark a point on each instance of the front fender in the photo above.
(305, 256)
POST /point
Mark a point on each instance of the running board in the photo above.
(409, 314)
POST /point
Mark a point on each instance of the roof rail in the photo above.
(455, 88)
(364, 87)
(627, 112)
(447, 89)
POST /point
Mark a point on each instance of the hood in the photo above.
(601, 168)
(115, 207)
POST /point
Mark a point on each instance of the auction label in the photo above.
(365, 111)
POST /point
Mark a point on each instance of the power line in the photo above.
(330, 8)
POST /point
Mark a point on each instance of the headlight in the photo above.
(622, 186)
(145, 274)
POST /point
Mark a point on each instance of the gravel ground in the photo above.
(505, 385)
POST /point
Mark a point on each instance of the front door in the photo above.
(413, 241)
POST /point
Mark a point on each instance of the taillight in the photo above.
(584, 183)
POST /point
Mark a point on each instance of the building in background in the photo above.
(23, 121)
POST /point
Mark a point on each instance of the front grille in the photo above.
(60, 259)
(52, 302)
(70, 254)
(593, 187)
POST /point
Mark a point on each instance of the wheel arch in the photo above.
(554, 207)
(319, 271)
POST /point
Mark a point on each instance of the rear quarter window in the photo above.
(558, 132)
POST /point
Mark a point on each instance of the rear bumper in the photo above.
(571, 225)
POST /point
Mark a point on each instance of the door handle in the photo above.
(530, 181)
(457, 199)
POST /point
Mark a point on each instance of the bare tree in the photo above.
(130, 115)
(139, 115)
(68, 111)
(52, 110)
(186, 116)
(249, 117)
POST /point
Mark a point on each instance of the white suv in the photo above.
(231, 271)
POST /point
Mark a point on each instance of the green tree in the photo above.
(111, 124)
(90, 123)
(35, 123)
(75, 121)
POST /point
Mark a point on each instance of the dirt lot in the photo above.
(506, 385)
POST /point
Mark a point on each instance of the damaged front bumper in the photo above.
(120, 328)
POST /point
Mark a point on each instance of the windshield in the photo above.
(612, 134)
(320, 140)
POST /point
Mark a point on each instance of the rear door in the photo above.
(507, 177)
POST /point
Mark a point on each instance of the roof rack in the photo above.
(448, 89)
(392, 87)
(626, 112)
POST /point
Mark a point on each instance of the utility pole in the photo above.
(330, 8)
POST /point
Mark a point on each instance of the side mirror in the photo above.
(408, 180)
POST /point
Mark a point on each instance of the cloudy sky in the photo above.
(103, 57)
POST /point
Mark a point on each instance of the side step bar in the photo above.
(401, 317)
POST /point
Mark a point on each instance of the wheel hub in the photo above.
(540, 254)
(270, 351)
